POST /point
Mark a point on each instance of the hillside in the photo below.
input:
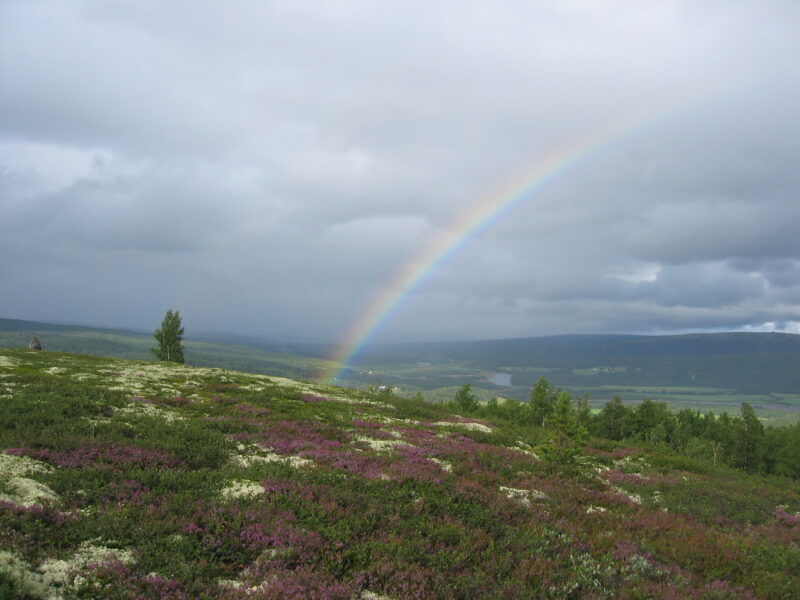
(126, 479)
(231, 352)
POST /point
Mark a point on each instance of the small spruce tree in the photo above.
(465, 399)
(169, 336)
(542, 403)
(566, 440)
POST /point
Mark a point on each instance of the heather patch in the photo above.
(443, 464)
(98, 455)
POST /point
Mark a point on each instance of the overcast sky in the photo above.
(268, 167)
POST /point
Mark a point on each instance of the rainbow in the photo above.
(481, 216)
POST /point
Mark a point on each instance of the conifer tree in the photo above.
(567, 438)
(169, 336)
(543, 400)
(748, 449)
(612, 421)
(465, 399)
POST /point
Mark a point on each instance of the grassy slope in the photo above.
(126, 479)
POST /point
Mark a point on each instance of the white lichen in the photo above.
(367, 595)
(6, 361)
(384, 419)
(380, 445)
(84, 376)
(12, 465)
(26, 580)
(595, 509)
(525, 449)
(54, 576)
(232, 584)
(635, 498)
(143, 408)
(524, 497)
(256, 454)
(469, 426)
(252, 388)
(242, 488)
(27, 492)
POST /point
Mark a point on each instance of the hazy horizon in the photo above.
(208, 334)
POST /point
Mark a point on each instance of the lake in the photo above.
(503, 379)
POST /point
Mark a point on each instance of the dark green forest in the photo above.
(740, 441)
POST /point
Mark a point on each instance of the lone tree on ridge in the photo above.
(169, 336)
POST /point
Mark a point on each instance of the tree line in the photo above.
(739, 441)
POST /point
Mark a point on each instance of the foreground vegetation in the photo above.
(123, 479)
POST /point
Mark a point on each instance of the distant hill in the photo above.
(576, 351)
(740, 361)
(713, 371)
(224, 351)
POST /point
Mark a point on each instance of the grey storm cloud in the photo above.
(270, 167)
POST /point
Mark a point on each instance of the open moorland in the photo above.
(129, 479)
